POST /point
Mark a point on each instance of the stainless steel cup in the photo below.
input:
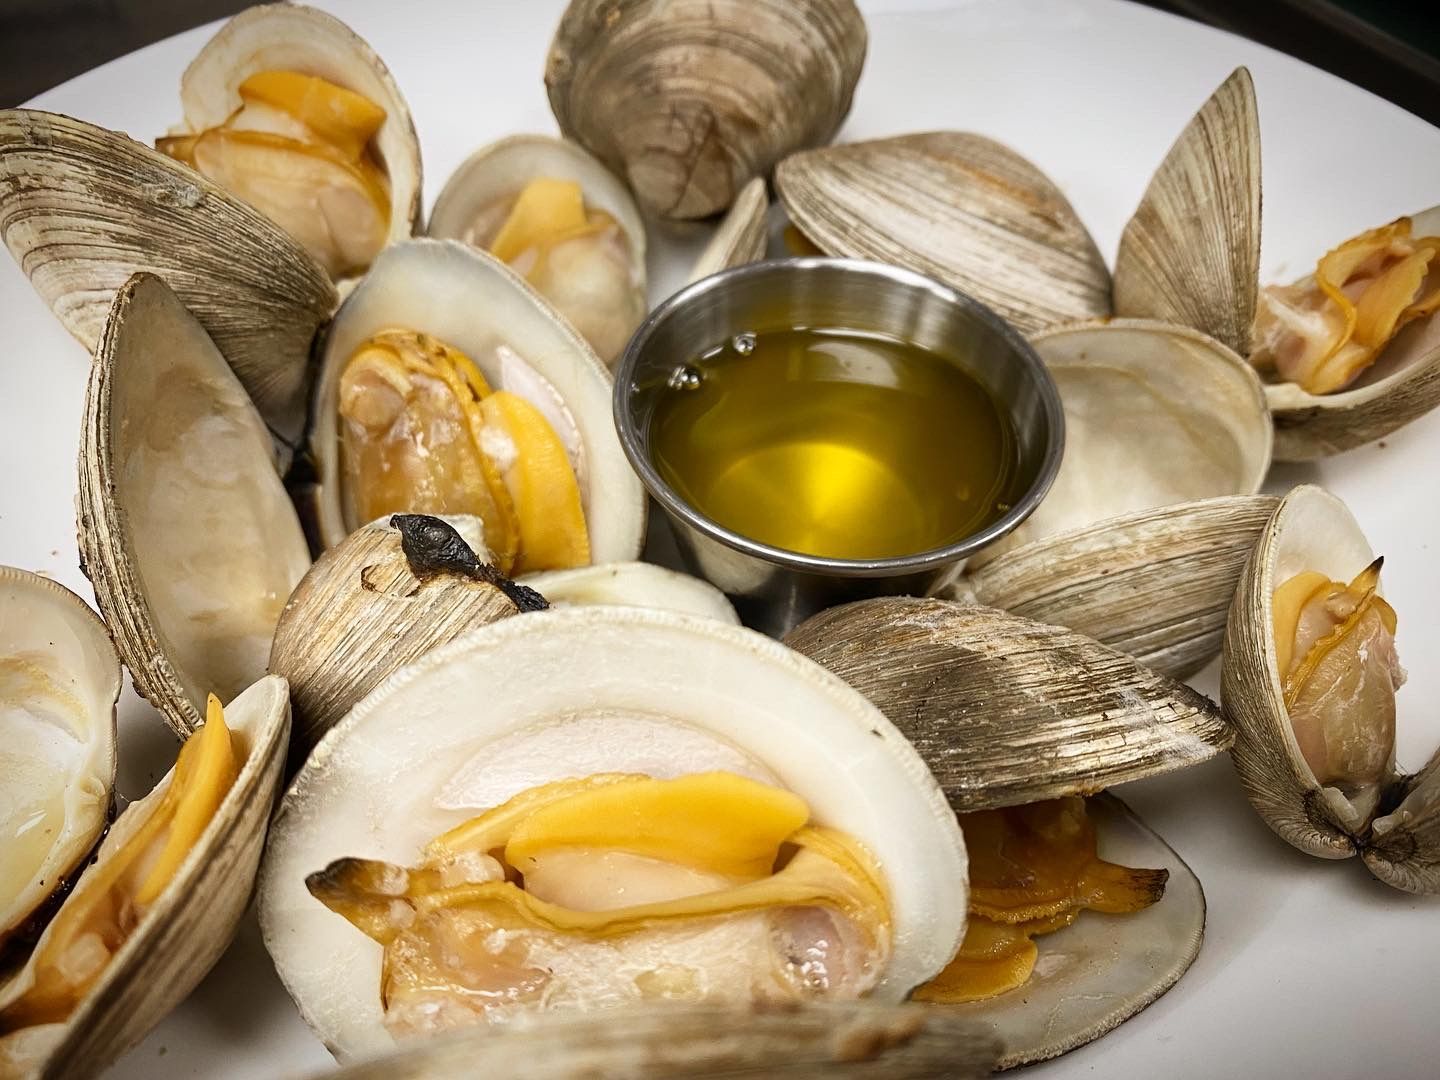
(773, 589)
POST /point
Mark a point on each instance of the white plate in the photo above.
(1310, 967)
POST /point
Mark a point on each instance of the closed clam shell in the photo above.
(741, 235)
(1402, 385)
(1008, 711)
(574, 692)
(959, 207)
(1392, 824)
(1155, 583)
(178, 939)
(474, 303)
(1191, 253)
(185, 529)
(1155, 414)
(834, 1039)
(294, 37)
(83, 208)
(497, 173)
(687, 100)
(59, 681)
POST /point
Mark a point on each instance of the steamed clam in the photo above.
(1310, 676)
(557, 217)
(1017, 720)
(447, 386)
(289, 110)
(641, 769)
(687, 100)
(59, 680)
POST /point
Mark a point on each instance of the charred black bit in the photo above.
(433, 547)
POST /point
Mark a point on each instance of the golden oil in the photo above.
(835, 444)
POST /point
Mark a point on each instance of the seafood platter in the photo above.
(731, 553)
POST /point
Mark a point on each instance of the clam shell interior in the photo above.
(186, 531)
(59, 681)
(633, 584)
(574, 692)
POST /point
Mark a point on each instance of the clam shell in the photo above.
(293, 37)
(835, 1039)
(1310, 530)
(1403, 385)
(59, 681)
(1155, 584)
(502, 169)
(475, 303)
(742, 234)
(1191, 253)
(185, 529)
(1154, 415)
(1403, 847)
(82, 209)
(1101, 970)
(1007, 711)
(361, 613)
(181, 936)
(633, 584)
(573, 692)
(687, 100)
(959, 207)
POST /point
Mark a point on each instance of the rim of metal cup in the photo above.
(633, 443)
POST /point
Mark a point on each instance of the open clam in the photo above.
(185, 529)
(672, 743)
(59, 680)
(687, 100)
(559, 218)
(836, 1039)
(158, 905)
(286, 108)
(959, 207)
(1009, 713)
(82, 209)
(1309, 682)
(447, 385)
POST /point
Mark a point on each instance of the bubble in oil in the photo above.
(686, 377)
(744, 344)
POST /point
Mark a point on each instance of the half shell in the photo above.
(82, 209)
(59, 681)
(570, 693)
(185, 529)
(1007, 711)
(497, 173)
(1191, 253)
(475, 304)
(1393, 823)
(742, 234)
(959, 207)
(293, 37)
(181, 936)
(690, 99)
(835, 1039)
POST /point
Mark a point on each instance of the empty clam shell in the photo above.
(959, 207)
(1155, 584)
(1389, 820)
(82, 209)
(1191, 253)
(571, 693)
(742, 234)
(690, 99)
(834, 1039)
(185, 529)
(59, 681)
(1007, 711)
(190, 923)
(305, 40)
(473, 203)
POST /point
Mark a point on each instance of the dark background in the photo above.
(1389, 46)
